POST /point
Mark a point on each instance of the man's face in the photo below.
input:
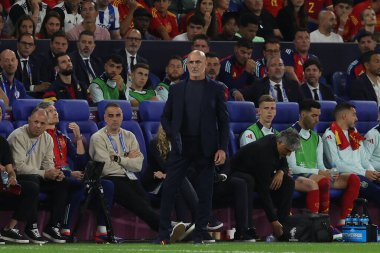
(193, 29)
(342, 9)
(26, 46)
(37, 123)
(133, 42)
(310, 118)
(140, 77)
(86, 45)
(52, 115)
(201, 45)
(196, 65)
(267, 112)
(302, 42)
(88, 12)
(74, 4)
(349, 117)
(52, 25)
(242, 54)
(283, 150)
(373, 66)
(64, 66)
(174, 70)
(112, 69)
(113, 117)
(366, 44)
(254, 5)
(230, 27)
(212, 67)
(312, 75)
(249, 32)
(142, 23)
(162, 5)
(329, 21)
(369, 17)
(223, 4)
(271, 50)
(276, 69)
(8, 62)
(59, 45)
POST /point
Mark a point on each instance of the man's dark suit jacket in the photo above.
(35, 67)
(327, 93)
(260, 159)
(123, 55)
(80, 68)
(362, 89)
(214, 117)
(292, 89)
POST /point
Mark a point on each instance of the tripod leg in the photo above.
(83, 208)
(106, 213)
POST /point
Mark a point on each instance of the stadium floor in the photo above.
(259, 247)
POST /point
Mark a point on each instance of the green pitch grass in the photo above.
(260, 247)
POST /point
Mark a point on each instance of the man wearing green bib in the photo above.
(109, 85)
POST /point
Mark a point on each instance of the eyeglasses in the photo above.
(133, 38)
(26, 44)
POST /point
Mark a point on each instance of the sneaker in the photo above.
(252, 233)
(34, 236)
(102, 237)
(1, 241)
(178, 230)
(13, 235)
(53, 234)
(214, 225)
(220, 178)
(243, 237)
(207, 238)
(189, 229)
(337, 234)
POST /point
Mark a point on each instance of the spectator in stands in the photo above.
(292, 18)
(281, 89)
(221, 7)
(109, 85)
(2, 24)
(129, 54)
(65, 86)
(126, 10)
(108, 17)
(343, 148)
(141, 21)
(195, 26)
(312, 89)
(89, 12)
(119, 149)
(36, 9)
(58, 44)
(51, 24)
(201, 141)
(368, 21)
(212, 66)
(238, 70)
(360, 7)
(70, 13)
(29, 69)
(204, 8)
(366, 42)
(248, 27)
(174, 71)
(229, 27)
(294, 59)
(274, 188)
(313, 7)
(263, 126)
(324, 33)
(86, 65)
(139, 78)
(19, 203)
(33, 156)
(309, 171)
(346, 22)
(24, 24)
(273, 7)
(267, 26)
(271, 48)
(371, 144)
(367, 85)
(11, 88)
(164, 23)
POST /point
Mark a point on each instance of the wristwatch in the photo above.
(116, 158)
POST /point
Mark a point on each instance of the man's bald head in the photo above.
(8, 62)
(196, 64)
(327, 21)
(133, 41)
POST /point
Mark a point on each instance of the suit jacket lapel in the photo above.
(370, 89)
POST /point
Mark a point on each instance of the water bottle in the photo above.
(364, 220)
(349, 220)
(270, 238)
(355, 220)
(4, 178)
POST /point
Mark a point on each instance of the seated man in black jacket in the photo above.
(265, 161)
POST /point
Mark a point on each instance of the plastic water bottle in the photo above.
(270, 238)
(4, 178)
(355, 220)
(364, 220)
(349, 220)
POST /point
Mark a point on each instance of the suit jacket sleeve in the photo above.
(357, 92)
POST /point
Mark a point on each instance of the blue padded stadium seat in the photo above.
(21, 109)
(242, 115)
(78, 111)
(287, 114)
(367, 113)
(340, 85)
(150, 117)
(327, 116)
(6, 127)
(127, 124)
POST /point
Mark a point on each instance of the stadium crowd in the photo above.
(189, 159)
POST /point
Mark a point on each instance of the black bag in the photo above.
(307, 227)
